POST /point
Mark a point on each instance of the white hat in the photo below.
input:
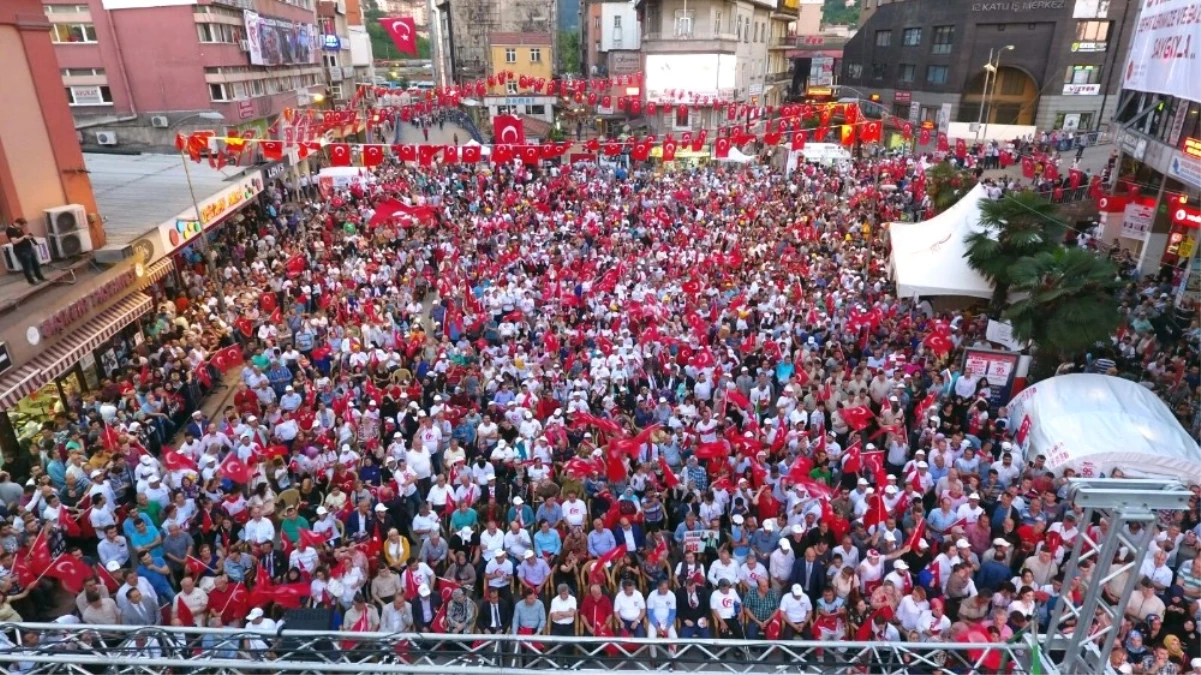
(797, 589)
(1000, 542)
(498, 552)
(197, 414)
(861, 481)
(380, 508)
(465, 533)
(96, 473)
(923, 544)
(962, 543)
(891, 489)
(153, 478)
(738, 519)
(900, 565)
(889, 536)
(797, 529)
(256, 613)
(321, 511)
(922, 465)
(112, 566)
(784, 544)
(974, 495)
(289, 388)
(518, 501)
(529, 553)
(423, 590)
(871, 446)
(145, 460)
(1006, 445)
(769, 524)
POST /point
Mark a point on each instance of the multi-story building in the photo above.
(345, 48)
(461, 30)
(138, 71)
(780, 70)
(1057, 63)
(710, 48)
(525, 55)
(612, 38)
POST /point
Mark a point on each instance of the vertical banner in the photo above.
(1163, 51)
(999, 367)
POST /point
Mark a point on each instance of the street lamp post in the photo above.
(995, 69)
(204, 244)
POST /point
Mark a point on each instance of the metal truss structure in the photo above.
(118, 650)
(1078, 638)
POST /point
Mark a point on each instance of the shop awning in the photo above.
(63, 355)
(156, 272)
(17, 384)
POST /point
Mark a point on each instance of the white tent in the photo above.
(929, 258)
(1097, 423)
(736, 155)
(484, 149)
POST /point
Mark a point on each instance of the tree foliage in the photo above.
(1070, 303)
(946, 185)
(836, 11)
(569, 53)
(1014, 227)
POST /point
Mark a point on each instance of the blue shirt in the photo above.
(547, 542)
(600, 543)
(158, 582)
(141, 540)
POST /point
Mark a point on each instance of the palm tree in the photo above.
(1015, 226)
(946, 185)
(1070, 304)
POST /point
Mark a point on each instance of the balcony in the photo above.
(782, 77)
(689, 42)
(782, 42)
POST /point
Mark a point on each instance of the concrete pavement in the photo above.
(444, 136)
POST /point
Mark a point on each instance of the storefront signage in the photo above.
(1186, 216)
(624, 62)
(6, 360)
(1089, 46)
(177, 231)
(999, 367)
(1019, 6)
(331, 42)
(1186, 169)
(1136, 221)
(1192, 147)
(1081, 89)
(902, 96)
(1133, 145)
(62, 319)
(819, 91)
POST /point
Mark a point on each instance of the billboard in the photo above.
(275, 42)
(999, 367)
(700, 74)
(1163, 52)
(821, 71)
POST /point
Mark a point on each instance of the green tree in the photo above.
(1070, 304)
(569, 53)
(1014, 227)
(837, 12)
(946, 185)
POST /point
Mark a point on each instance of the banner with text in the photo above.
(1163, 53)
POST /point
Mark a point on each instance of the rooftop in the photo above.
(502, 39)
(135, 193)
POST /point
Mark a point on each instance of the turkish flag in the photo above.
(502, 154)
(944, 143)
(314, 539)
(1051, 171)
(39, 552)
(531, 155)
(71, 571)
(450, 154)
(669, 150)
(876, 510)
(403, 32)
(612, 149)
(635, 107)
(471, 154)
(425, 154)
(907, 130)
(698, 141)
(798, 140)
(721, 148)
(235, 469)
(339, 154)
(1112, 203)
(195, 566)
(373, 155)
(105, 578)
(1075, 178)
(273, 150)
(923, 137)
(175, 461)
(508, 129)
(938, 344)
(641, 151)
(871, 132)
(1027, 166)
(858, 417)
(919, 533)
(960, 148)
(772, 138)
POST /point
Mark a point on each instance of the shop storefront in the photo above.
(180, 236)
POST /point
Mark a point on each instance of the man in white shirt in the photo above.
(795, 608)
(575, 511)
(934, 626)
(630, 609)
(562, 612)
(661, 611)
(726, 605)
(113, 548)
(258, 529)
(724, 568)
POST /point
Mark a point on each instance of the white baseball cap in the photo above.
(256, 613)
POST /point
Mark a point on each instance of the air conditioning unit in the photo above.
(10, 257)
(106, 138)
(244, 45)
(67, 218)
(71, 244)
(113, 254)
(160, 121)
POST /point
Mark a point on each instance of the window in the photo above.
(67, 9)
(510, 55)
(900, 110)
(218, 33)
(511, 88)
(1082, 75)
(683, 23)
(537, 109)
(1013, 83)
(906, 72)
(718, 22)
(738, 27)
(681, 117)
(855, 71)
(536, 55)
(944, 37)
(1091, 36)
(81, 72)
(936, 74)
(257, 88)
(79, 96)
(331, 60)
(217, 92)
(912, 37)
(598, 20)
(878, 71)
(617, 22)
(72, 33)
(883, 38)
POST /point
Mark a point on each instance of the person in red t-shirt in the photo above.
(597, 610)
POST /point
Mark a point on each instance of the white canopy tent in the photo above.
(1097, 423)
(736, 155)
(929, 258)
(484, 149)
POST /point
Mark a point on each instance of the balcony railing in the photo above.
(674, 36)
(777, 78)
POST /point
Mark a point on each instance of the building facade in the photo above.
(418, 9)
(461, 42)
(136, 72)
(41, 166)
(525, 55)
(1057, 62)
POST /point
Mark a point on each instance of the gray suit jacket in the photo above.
(144, 614)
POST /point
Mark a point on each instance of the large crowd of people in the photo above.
(686, 404)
